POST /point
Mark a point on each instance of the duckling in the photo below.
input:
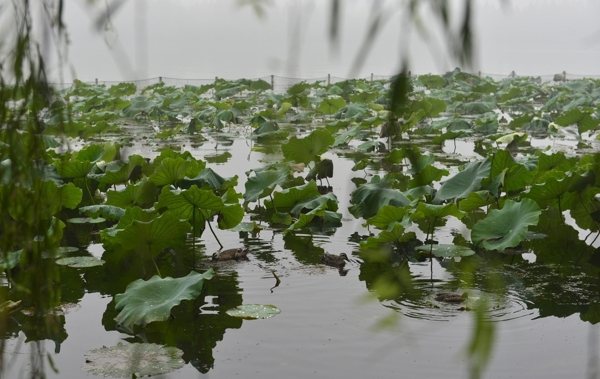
(230, 254)
(449, 297)
(334, 260)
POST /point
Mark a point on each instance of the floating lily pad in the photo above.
(86, 220)
(80, 262)
(133, 360)
(446, 251)
(254, 311)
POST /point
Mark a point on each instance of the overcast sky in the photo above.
(207, 38)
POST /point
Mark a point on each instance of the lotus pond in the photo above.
(461, 184)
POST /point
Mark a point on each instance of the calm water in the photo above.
(329, 325)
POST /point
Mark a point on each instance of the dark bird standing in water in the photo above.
(231, 254)
(335, 260)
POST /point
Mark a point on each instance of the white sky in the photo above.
(199, 39)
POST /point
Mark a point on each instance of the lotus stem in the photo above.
(156, 267)
(85, 181)
(213, 233)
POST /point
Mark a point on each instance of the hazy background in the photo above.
(201, 39)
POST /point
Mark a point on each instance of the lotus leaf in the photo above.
(172, 170)
(439, 211)
(118, 172)
(80, 262)
(388, 215)
(446, 251)
(263, 183)
(52, 198)
(309, 148)
(289, 197)
(369, 198)
(254, 311)
(86, 220)
(394, 233)
(142, 193)
(506, 227)
(149, 238)
(462, 184)
(133, 360)
(199, 205)
(147, 301)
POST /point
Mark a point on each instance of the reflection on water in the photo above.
(321, 315)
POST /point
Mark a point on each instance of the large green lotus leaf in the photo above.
(572, 117)
(354, 111)
(388, 215)
(254, 311)
(140, 104)
(143, 194)
(369, 198)
(394, 233)
(133, 360)
(430, 105)
(136, 214)
(446, 251)
(147, 301)
(306, 218)
(478, 107)
(263, 183)
(196, 204)
(515, 175)
(122, 89)
(462, 184)
(329, 199)
(476, 200)
(72, 168)
(439, 211)
(553, 189)
(330, 105)
(207, 176)
(151, 238)
(172, 170)
(289, 197)
(427, 175)
(52, 198)
(107, 211)
(547, 163)
(309, 148)
(432, 81)
(580, 204)
(118, 172)
(506, 227)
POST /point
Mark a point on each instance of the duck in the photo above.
(451, 297)
(231, 254)
(335, 260)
